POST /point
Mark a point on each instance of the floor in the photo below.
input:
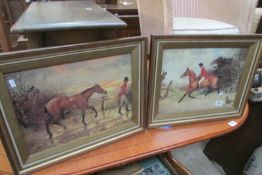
(233, 150)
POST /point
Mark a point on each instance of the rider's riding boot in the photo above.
(119, 110)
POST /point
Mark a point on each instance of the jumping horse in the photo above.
(210, 82)
(55, 107)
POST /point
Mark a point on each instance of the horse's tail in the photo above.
(45, 110)
(48, 114)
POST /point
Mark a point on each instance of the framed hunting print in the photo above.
(59, 102)
(200, 78)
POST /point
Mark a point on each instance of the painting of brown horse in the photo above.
(56, 107)
(211, 82)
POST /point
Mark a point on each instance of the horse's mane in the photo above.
(88, 89)
(194, 74)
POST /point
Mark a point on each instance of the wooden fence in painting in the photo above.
(108, 101)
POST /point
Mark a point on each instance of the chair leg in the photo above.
(4, 38)
(9, 14)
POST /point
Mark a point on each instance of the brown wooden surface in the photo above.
(4, 38)
(259, 27)
(127, 13)
(5, 167)
(13, 10)
(178, 166)
(151, 142)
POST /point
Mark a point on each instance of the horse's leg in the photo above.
(218, 90)
(182, 97)
(49, 120)
(209, 90)
(59, 124)
(62, 114)
(94, 109)
(190, 95)
(83, 111)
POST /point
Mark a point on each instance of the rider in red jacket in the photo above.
(203, 74)
(122, 99)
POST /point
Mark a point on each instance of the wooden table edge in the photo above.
(125, 160)
(162, 150)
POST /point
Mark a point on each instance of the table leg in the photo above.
(35, 40)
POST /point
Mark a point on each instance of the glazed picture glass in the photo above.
(200, 78)
(60, 102)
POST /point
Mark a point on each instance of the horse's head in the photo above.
(186, 73)
(99, 89)
(163, 76)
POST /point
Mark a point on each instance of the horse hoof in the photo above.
(50, 136)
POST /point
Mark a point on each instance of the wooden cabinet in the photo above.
(129, 14)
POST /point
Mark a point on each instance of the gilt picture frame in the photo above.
(200, 78)
(63, 101)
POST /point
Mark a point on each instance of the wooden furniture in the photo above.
(4, 38)
(258, 17)
(5, 167)
(96, 1)
(66, 22)
(9, 42)
(148, 143)
(129, 14)
(12, 10)
(259, 4)
(177, 165)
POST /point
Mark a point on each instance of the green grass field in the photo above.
(170, 104)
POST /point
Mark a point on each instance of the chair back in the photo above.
(155, 17)
(239, 13)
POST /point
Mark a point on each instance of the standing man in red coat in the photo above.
(203, 74)
(122, 99)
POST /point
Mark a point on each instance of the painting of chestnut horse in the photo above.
(211, 83)
(56, 107)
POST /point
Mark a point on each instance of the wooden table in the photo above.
(129, 14)
(55, 23)
(151, 142)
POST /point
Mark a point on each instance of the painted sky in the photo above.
(80, 74)
(176, 61)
